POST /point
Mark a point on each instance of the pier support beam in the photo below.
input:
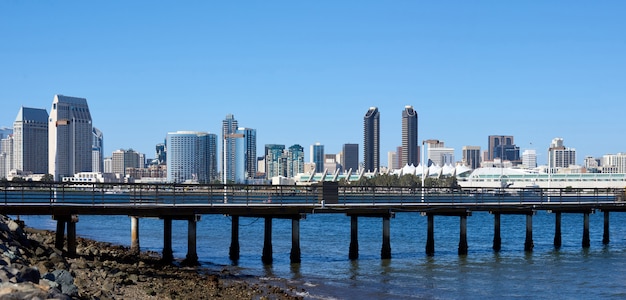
(605, 236)
(463, 236)
(557, 230)
(233, 252)
(59, 241)
(295, 256)
(354, 238)
(586, 240)
(267, 258)
(134, 235)
(168, 254)
(497, 239)
(385, 252)
(430, 237)
(528, 243)
(192, 254)
(71, 236)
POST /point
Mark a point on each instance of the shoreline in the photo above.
(102, 270)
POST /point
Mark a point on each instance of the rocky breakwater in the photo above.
(31, 268)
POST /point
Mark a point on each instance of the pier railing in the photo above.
(12, 193)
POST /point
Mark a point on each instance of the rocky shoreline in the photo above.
(31, 268)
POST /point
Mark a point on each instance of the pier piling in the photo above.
(605, 235)
(134, 235)
(354, 238)
(71, 236)
(557, 230)
(430, 238)
(59, 241)
(267, 258)
(586, 241)
(294, 256)
(385, 252)
(192, 254)
(528, 243)
(233, 252)
(463, 236)
(497, 239)
(168, 254)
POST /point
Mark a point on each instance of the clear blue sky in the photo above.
(302, 72)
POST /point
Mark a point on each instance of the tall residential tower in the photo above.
(410, 144)
(371, 139)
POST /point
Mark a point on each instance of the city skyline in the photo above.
(301, 73)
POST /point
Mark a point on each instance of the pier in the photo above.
(65, 202)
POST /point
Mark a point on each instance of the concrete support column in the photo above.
(430, 236)
(233, 252)
(71, 236)
(557, 230)
(192, 254)
(528, 244)
(134, 235)
(586, 240)
(354, 238)
(168, 254)
(267, 243)
(295, 241)
(463, 236)
(605, 236)
(385, 252)
(59, 241)
(497, 239)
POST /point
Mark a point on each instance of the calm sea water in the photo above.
(570, 272)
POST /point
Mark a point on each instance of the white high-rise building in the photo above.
(97, 164)
(70, 136)
(30, 141)
(6, 156)
(559, 156)
(191, 156)
(614, 163)
(529, 159)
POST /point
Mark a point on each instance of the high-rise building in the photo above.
(529, 159)
(97, 151)
(6, 156)
(350, 157)
(295, 160)
(229, 143)
(30, 141)
(191, 156)
(410, 144)
(559, 156)
(274, 161)
(317, 157)
(70, 136)
(371, 140)
(392, 160)
(503, 147)
(161, 155)
(438, 154)
(4, 132)
(245, 143)
(471, 156)
(122, 159)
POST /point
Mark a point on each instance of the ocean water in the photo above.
(569, 272)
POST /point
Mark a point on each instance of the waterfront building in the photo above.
(529, 159)
(229, 135)
(161, 155)
(504, 148)
(392, 160)
(559, 156)
(191, 156)
(471, 156)
(97, 151)
(275, 164)
(350, 157)
(614, 163)
(410, 144)
(317, 157)
(295, 160)
(70, 136)
(371, 139)
(245, 158)
(123, 159)
(6, 156)
(30, 141)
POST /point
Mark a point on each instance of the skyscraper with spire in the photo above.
(371, 139)
(410, 144)
(70, 136)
